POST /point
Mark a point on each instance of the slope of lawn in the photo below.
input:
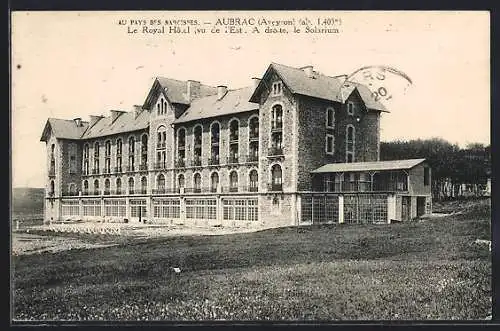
(418, 270)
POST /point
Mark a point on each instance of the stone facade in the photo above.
(292, 140)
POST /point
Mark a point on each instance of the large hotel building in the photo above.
(295, 147)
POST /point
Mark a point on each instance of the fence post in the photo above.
(341, 209)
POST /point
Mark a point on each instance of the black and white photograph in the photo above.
(286, 166)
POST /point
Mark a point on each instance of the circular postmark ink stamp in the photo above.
(384, 82)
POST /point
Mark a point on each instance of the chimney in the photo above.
(137, 110)
(94, 119)
(193, 89)
(115, 114)
(221, 91)
(256, 82)
(309, 71)
(78, 121)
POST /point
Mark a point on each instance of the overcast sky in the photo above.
(68, 65)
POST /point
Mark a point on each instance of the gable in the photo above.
(47, 132)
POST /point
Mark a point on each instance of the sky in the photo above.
(76, 64)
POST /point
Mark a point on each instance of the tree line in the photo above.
(455, 171)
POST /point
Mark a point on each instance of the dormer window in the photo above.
(350, 108)
(277, 88)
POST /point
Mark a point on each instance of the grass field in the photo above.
(418, 270)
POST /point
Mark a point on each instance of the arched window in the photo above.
(52, 188)
(215, 142)
(277, 117)
(253, 136)
(253, 127)
(162, 110)
(164, 107)
(158, 111)
(233, 181)
(52, 149)
(72, 189)
(86, 151)
(233, 141)
(181, 147)
(181, 181)
(96, 187)
(197, 183)
(85, 187)
(144, 185)
(234, 130)
(161, 137)
(131, 154)
(144, 152)
(107, 186)
(198, 131)
(107, 149)
(214, 182)
(118, 186)
(254, 181)
(160, 183)
(350, 141)
(131, 145)
(131, 185)
(276, 178)
(96, 149)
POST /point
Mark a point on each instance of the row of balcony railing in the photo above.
(116, 170)
(362, 186)
(186, 190)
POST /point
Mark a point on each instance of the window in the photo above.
(161, 139)
(253, 127)
(72, 189)
(96, 149)
(131, 145)
(107, 186)
(96, 187)
(233, 141)
(277, 88)
(181, 147)
(160, 183)
(350, 140)
(119, 144)
(215, 141)
(85, 187)
(144, 185)
(131, 185)
(233, 181)
(214, 179)
(197, 183)
(277, 117)
(181, 181)
(52, 188)
(144, 151)
(198, 131)
(107, 149)
(276, 178)
(330, 118)
(254, 181)
(118, 186)
(426, 176)
(86, 151)
(329, 144)
(350, 108)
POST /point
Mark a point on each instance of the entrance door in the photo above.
(405, 208)
(138, 210)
